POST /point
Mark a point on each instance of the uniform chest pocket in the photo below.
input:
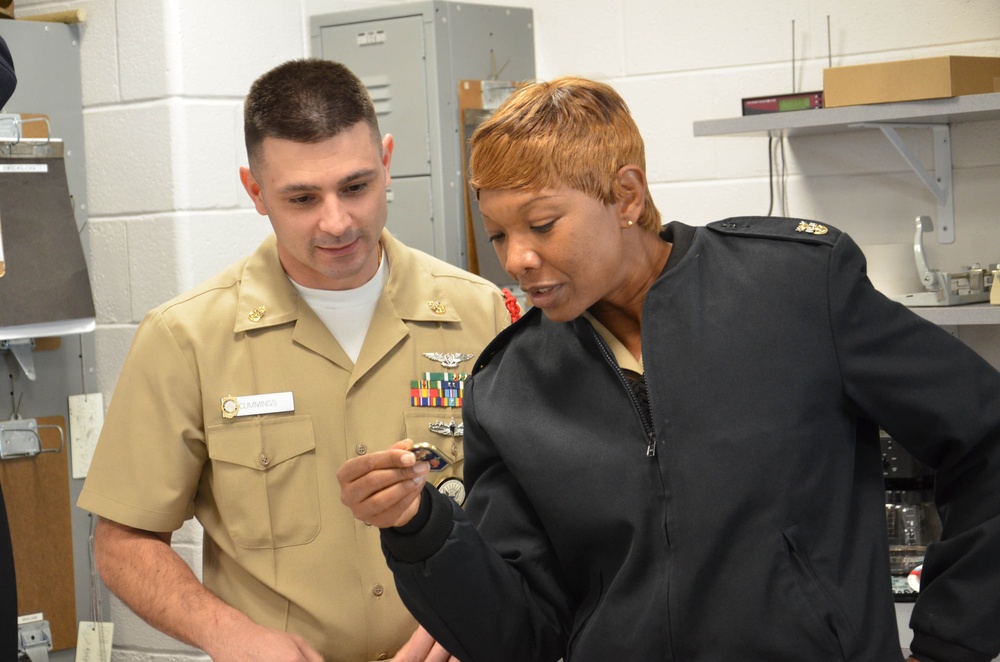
(264, 480)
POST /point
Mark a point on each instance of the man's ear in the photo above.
(630, 186)
(253, 190)
(388, 142)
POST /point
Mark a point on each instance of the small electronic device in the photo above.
(779, 103)
(427, 452)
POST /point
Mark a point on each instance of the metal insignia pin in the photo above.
(451, 429)
(448, 359)
(454, 487)
(437, 307)
(230, 407)
(811, 228)
(257, 313)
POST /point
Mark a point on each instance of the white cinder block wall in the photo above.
(163, 83)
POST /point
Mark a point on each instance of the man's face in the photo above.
(326, 203)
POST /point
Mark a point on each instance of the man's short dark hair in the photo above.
(305, 101)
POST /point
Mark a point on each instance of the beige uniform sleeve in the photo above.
(151, 452)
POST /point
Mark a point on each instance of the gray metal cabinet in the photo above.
(412, 57)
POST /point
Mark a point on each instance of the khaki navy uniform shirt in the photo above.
(278, 544)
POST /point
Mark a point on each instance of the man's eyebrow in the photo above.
(365, 173)
(297, 188)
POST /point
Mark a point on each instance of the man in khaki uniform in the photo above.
(240, 399)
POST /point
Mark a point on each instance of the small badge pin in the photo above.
(437, 307)
(448, 359)
(811, 228)
(230, 407)
(454, 487)
(451, 429)
(257, 313)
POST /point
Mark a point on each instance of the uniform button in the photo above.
(382, 656)
(361, 449)
(264, 460)
(378, 590)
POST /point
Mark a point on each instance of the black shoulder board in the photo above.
(503, 338)
(776, 227)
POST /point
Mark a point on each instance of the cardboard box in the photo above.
(909, 80)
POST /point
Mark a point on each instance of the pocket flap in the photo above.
(245, 443)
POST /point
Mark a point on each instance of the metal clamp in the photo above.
(941, 288)
(21, 348)
(19, 438)
(11, 124)
(34, 641)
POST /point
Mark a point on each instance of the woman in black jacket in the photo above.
(674, 455)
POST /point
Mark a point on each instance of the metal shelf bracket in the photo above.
(939, 183)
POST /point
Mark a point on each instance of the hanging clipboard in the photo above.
(36, 493)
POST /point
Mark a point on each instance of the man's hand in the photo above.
(143, 570)
(383, 489)
(422, 648)
(245, 641)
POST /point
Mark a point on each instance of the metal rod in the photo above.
(793, 56)
(829, 44)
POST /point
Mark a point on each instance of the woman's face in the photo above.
(562, 246)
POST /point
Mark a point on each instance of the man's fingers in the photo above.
(417, 648)
(439, 654)
(308, 652)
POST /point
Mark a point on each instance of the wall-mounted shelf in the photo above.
(953, 110)
(974, 313)
(935, 114)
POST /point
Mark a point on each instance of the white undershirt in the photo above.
(348, 313)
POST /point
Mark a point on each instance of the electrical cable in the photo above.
(96, 602)
(770, 173)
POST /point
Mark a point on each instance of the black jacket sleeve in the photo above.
(482, 603)
(8, 587)
(941, 401)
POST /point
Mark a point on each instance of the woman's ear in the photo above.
(631, 185)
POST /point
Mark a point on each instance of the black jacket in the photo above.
(756, 532)
(8, 586)
(8, 81)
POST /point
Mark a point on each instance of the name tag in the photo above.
(251, 405)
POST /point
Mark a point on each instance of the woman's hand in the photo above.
(383, 489)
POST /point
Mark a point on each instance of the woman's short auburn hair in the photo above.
(569, 131)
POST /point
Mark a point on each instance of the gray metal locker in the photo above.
(412, 57)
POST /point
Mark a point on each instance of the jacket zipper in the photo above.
(646, 426)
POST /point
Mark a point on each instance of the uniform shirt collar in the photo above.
(268, 298)
(621, 353)
(415, 292)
